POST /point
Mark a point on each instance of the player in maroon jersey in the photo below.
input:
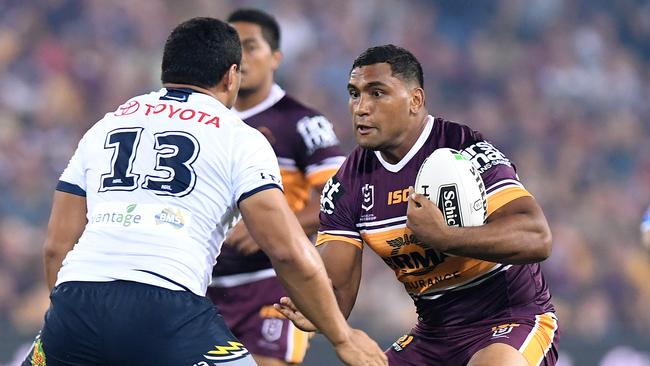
(244, 285)
(479, 292)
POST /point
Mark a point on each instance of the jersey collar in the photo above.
(394, 168)
(274, 96)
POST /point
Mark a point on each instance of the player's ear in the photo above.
(232, 78)
(417, 100)
(276, 58)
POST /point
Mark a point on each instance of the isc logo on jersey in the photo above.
(449, 179)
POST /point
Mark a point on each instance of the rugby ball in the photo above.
(451, 181)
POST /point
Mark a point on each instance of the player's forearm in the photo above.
(345, 297)
(343, 264)
(306, 283)
(516, 239)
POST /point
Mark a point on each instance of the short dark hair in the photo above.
(199, 52)
(402, 62)
(270, 27)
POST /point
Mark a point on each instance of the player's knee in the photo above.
(498, 354)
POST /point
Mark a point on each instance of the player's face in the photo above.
(258, 60)
(379, 103)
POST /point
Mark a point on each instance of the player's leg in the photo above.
(499, 354)
(269, 361)
(520, 342)
(272, 339)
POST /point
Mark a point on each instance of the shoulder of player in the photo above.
(455, 135)
(293, 107)
(356, 164)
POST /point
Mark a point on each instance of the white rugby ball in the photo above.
(451, 181)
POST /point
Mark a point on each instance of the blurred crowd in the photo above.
(560, 85)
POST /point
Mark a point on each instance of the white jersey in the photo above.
(163, 176)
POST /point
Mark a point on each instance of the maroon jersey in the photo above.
(308, 154)
(365, 204)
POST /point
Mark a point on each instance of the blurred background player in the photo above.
(479, 292)
(244, 285)
(140, 213)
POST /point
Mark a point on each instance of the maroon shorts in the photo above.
(535, 337)
(249, 313)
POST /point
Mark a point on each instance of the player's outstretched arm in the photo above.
(516, 233)
(343, 264)
(67, 223)
(277, 231)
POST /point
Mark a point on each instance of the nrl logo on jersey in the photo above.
(368, 195)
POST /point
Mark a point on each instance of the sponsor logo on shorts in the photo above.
(402, 342)
(502, 331)
(38, 355)
(272, 329)
(332, 191)
(232, 351)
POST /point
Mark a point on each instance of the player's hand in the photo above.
(359, 349)
(426, 222)
(240, 239)
(288, 309)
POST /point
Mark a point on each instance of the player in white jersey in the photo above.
(140, 214)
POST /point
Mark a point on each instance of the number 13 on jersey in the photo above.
(175, 153)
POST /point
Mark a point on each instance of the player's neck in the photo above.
(189, 86)
(213, 92)
(249, 98)
(395, 154)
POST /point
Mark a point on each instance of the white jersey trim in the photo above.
(394, 168)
